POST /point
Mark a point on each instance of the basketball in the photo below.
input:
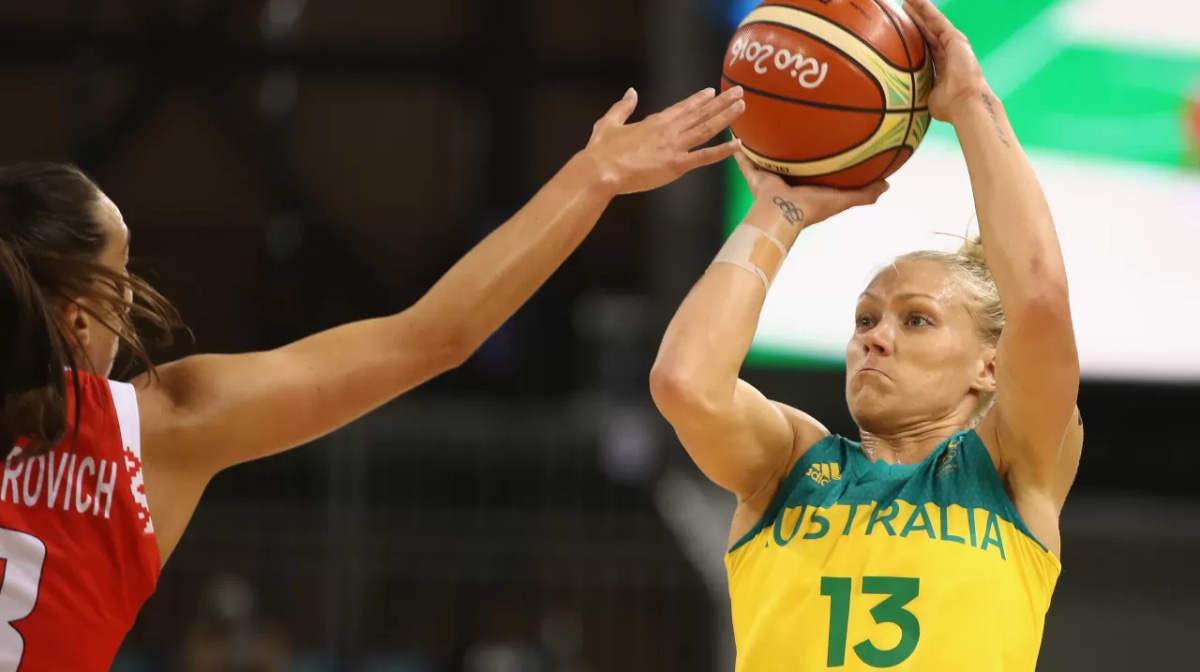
(835, 90)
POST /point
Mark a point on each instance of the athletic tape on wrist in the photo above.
(754, 250)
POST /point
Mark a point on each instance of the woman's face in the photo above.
(916, 354)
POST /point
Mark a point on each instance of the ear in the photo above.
(985, 378)
(78, 322)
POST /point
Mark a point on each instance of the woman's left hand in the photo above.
(959, 75)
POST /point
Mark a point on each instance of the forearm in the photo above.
(210, 408)
(493, 280)
(1015, 222)
(708, 339)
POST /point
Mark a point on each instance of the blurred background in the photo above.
(288, 165)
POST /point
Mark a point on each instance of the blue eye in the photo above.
(918, 321)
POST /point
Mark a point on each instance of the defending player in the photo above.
(933, 544)
(95, 458)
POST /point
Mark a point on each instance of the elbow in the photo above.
(445, 344)
(451, 335)
(453, 348)
(1042, 322)
(1037, 295)
(1047, 307)
(665, 386)
(678, 390)
(1045, 285)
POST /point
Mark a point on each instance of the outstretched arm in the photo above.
(1037, 365)
(207, 412)
(741, 440)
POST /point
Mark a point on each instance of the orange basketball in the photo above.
(836, 90)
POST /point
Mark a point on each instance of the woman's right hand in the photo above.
(659, 149)
(776, 201)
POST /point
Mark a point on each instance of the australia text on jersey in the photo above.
(68, 482)
(968, 526)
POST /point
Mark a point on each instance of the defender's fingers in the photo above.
(710, 155)
(706, 130)
(688, 105)
(712, 108)
(620, 112)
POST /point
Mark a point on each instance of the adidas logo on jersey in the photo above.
(824, 472)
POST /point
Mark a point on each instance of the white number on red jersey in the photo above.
(23, 555)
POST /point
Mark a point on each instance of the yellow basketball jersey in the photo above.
(862, 565)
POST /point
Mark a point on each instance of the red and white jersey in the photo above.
(77, 545)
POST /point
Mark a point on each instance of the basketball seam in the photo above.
(849, 58)
(835, 24)
(912, 76)
(882, 114)
(815, 103)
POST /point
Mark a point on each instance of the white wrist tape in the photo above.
(755, 250)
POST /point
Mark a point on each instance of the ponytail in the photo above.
(34, 360)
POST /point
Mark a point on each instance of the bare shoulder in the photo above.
(807, 429)
(169, 415)
(806, 432)
(173, 484)
(153, 404)
(157, 404)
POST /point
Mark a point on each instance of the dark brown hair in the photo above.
(50, 242)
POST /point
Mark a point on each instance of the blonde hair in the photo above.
(983, 299)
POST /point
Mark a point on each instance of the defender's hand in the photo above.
(776, 202)
(658, 150)
(959, 75)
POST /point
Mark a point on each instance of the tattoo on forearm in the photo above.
(991, 108)
(790, 212)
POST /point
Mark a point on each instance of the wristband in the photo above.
(754, 250)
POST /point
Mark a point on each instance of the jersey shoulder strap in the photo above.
(124, 398)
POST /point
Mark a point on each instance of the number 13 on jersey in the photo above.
(899, 591)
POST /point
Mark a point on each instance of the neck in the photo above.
(911, 444)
